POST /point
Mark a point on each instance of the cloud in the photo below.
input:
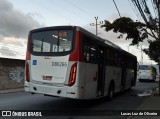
(12, 40)
(107, 35)
(116, 16)
(123, 43)
(7, 52)
(14, 23)
(14, 28)
(113, 37)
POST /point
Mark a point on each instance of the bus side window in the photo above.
(90, 50)
(122, 61)
(110, 57)
(93, 52)
(87, 50)
(87, 57)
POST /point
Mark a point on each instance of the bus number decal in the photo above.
(59, 64)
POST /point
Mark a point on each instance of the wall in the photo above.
(11, 73)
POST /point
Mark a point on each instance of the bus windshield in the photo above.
(51, 41)
(145, 67)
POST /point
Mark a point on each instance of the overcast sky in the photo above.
(18, 17)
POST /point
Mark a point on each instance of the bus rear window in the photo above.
(51, 41)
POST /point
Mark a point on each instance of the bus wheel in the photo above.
(111, 92)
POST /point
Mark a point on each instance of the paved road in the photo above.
(126, 101)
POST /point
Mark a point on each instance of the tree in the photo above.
(140, 31)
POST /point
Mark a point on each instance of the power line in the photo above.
(140, 10)
(52, 11)
(116, 8)
(146, 10)
(71, 11)
(74, 5)
(135, 11)
(155, 9)
(139, 6)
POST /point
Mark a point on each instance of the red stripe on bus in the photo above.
(28, 55)
(77, 54)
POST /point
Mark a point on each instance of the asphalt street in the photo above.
(128, 100)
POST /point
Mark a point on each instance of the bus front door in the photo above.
(101, 71)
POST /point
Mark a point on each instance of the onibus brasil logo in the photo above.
(20, 113)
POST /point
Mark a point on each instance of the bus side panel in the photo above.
(112, 73)
(81, 79)
(77, 90)
(90, 84)
(117, 72)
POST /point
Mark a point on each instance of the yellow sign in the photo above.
(63, 34)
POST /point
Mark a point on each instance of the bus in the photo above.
(147, 73)
(70, 62)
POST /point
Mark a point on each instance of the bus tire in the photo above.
(111, 91)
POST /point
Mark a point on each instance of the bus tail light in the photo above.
(27, 72)
(72, 77)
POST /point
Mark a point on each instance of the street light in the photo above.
(92, 24)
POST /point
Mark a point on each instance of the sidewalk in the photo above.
(11, 90)
(152, 104)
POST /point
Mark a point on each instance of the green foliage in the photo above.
(154, 70)
(138, 32)
(127, 26)
(154, 50)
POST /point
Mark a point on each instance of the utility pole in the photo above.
(93, 24)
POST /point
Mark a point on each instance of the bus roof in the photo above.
(78, 28)
(105, 41)
(98, 38)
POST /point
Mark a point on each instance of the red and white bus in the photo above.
(70, 62)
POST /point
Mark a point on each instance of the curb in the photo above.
(11, 90)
